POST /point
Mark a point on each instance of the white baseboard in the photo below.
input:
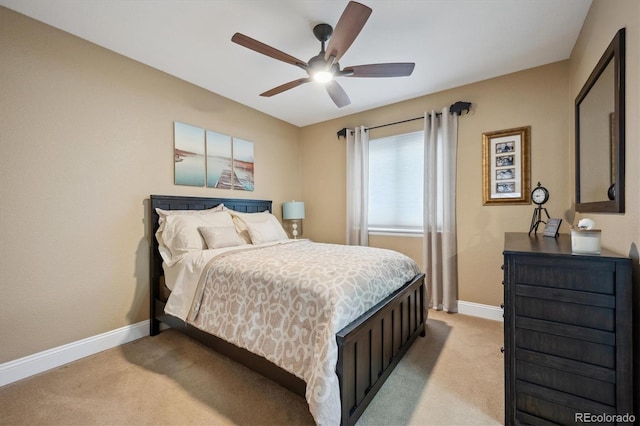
(22, 368)
(479, 310)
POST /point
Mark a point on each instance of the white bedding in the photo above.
(285, 301)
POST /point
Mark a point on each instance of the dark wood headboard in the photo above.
(174, 202)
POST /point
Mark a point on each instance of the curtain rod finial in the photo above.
(342, 132)
(460, 106)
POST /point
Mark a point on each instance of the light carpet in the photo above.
(453, 376)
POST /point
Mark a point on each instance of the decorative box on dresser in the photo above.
(567, 333)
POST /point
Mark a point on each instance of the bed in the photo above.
(368, 348)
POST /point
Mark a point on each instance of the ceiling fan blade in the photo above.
(400, 69)
(286, 86)
(347, 29)
(272, 52)
(337, 94)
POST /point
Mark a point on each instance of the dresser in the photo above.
(567, 333)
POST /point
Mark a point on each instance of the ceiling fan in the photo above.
(324, 66)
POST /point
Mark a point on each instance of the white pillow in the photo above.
(180, 233)
(164, 213)
(270, 231)
(219, 237)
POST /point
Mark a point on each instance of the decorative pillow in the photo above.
(263, 234)
(219, 237)
(180, 233)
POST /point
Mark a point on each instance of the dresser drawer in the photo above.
(589, 310)
(564, 381)
(553, 406)
(567, 273)
(603, 355)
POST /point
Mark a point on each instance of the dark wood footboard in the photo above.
(371, 347)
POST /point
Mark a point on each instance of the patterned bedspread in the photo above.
(286, 302)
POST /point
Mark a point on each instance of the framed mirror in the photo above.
(599, 116)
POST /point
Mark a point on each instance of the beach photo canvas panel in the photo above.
(219, 163)
(189, 154)
(243, 163)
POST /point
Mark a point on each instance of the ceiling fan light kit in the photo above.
(324, 67)
(323, 76)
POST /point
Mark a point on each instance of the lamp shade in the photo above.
(293, 210)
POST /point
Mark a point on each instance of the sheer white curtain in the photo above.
(357, 186)
(440, 257)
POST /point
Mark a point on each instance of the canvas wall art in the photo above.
(243, 164)
(189, 155)
(207, 158)
(219, 161)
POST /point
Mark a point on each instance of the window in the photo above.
(396, 183)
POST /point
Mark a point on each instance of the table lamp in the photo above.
(293, 213)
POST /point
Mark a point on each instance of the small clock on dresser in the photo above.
(539, 196)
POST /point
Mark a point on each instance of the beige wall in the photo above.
(86, 136)
(536, 98)
(620, 232)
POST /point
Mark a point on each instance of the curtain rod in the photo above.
(456, 108)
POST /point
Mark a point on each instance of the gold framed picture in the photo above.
(506, 166)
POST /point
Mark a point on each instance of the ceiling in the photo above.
(452, 42)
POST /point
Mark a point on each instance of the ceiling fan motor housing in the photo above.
(318, 63)
(323, 32)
